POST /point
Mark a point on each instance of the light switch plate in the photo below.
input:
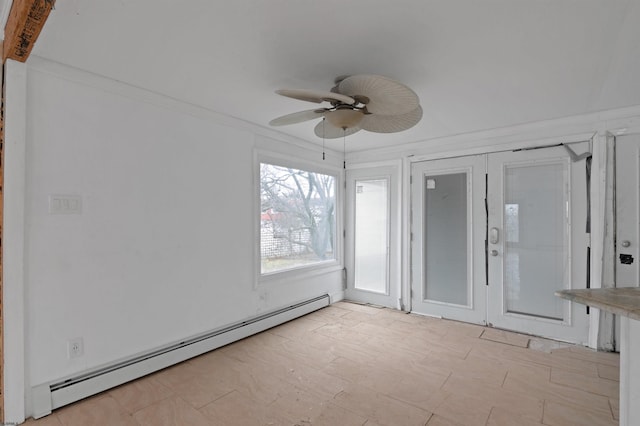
(65, 204)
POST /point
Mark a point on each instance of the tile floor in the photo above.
(350, 364)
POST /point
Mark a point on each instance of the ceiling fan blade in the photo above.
(391, 123)
(298, 117)
(385, 96)
(316, 96)
(332, 132)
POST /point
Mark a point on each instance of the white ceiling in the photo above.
(476, 64)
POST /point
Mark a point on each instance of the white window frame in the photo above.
(304, 271)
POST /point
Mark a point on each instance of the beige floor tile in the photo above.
(335, 310)
(437, 420)
(421, 391)
(447, 348)
(557, 414)
(201, 390)
(215, 362)
(377, 330)
(506, 338)
(260, 386)
(380, 408)
(567, 360)
(615, 408)
(415, 319)
(529, 372)
(463, 328)
(297, 329)
(333, 415)
(362, 374)
(465, 410)
(361, 317)
(580, 352)
(249, 348)
(306, 354)
(471, 368)
(99, 410)
(502, 417)
(235, 409)
(307, 408)
(563, 394)
(392, 351)
(342, 333)
(340, 348)
(358, 307)
(605, 387)
(139, 394)
(523, 355)
(178, 374)
(295, 372)
(609, 372)
(520, 403)
(171, 412)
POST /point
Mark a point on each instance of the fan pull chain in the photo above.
(344, 148)
(323, 118)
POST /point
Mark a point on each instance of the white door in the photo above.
(627, 213)
(372, 236)
(537, 242)
(515, 221)
(448, 224)
(627, 210)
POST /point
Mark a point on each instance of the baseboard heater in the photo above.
(49, 396)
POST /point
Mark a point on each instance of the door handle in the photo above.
(494, 252)
(625, 243)
(494, 236)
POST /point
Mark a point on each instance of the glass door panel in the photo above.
(536, 238)
(446, 239)
(371, 235)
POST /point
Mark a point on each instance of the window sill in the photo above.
(300, 273)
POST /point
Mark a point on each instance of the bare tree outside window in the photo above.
(297, 217)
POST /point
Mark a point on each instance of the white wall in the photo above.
(164, 246)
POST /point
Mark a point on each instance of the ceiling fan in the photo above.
(358, 102)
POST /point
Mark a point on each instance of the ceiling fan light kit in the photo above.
(345, 118)
(359, 102)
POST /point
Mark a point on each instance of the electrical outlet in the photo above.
(75, 348)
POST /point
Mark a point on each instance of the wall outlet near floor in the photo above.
(75, 348)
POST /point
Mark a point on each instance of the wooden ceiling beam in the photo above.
(26, 20)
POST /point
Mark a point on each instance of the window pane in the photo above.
(297, 218)
(372, 235)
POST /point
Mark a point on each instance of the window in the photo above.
(297, 218)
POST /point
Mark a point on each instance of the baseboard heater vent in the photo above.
(49, 396)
